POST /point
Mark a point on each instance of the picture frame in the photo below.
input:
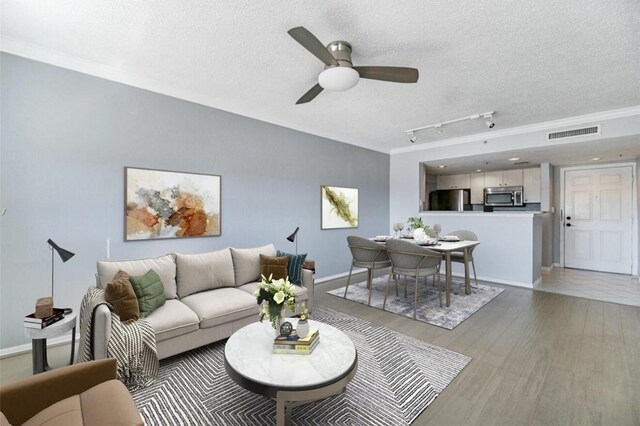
(339, 207)
(164, 204)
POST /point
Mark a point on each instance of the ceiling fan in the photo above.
(339, 73)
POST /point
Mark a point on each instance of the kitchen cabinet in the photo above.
(503, 178)
(462, 181)
(531, 184)
(477, 188)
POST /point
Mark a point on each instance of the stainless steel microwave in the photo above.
(504, 196)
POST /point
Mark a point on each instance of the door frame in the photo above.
(634, 208)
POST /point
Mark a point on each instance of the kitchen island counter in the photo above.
(510, 250)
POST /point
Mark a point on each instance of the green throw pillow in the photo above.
(295, 266)
(149, 291)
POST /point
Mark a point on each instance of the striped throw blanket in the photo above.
(132, 345)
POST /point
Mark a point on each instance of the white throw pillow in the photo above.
(246, 262)
(204, 271)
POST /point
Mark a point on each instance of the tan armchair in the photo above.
(81, 394)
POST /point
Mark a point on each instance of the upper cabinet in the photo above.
(503, 178)
(477, 188)
(462, 181)
(531, 178)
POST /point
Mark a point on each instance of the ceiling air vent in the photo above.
(520, 163)
(594, 130)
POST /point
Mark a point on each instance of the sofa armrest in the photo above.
(26, 398)
(308, 283)
(101, 331)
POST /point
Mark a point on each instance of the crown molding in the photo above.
(40, 54)
(530, 128)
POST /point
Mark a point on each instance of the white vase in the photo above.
(418, 234)
(302, 328)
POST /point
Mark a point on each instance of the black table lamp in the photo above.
(64, 255)
(293, 238)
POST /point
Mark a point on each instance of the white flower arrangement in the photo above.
(274, 295)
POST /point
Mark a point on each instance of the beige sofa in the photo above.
(80, 394)
(209, 297)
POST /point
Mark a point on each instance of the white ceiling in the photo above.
(530, 61)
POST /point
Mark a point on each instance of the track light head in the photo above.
(412, 137)
(489, 123)
(438, 128)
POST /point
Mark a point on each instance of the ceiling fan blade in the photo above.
(310, 95)
(393, 74)
(312, 44)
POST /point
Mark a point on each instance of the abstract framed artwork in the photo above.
(339, 207)
(165, 204)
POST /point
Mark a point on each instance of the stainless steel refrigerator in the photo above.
(450, 200)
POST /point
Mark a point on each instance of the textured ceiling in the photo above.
(530, 61)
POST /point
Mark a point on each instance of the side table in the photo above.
(39, 341)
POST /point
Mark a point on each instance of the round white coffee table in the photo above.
(39, 341)
(291, 379)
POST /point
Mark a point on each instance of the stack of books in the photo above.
(304, 346)
(30, 321)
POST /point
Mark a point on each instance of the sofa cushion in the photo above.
(221, 305)
(149, 291)
(165, 266)
(204, 271)
(301, 292)
(67, 412)
(246, 262)
(274, 266)
(109, 403)
(173, 319)
(295, 266)
(120, 294)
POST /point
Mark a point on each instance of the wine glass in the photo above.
(437, 229)
(399, 226)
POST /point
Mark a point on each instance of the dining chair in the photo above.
(458, 256)
(408, 258)
(366, 254)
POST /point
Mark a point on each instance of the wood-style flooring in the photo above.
(538, 359)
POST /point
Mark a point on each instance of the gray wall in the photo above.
(66, 138)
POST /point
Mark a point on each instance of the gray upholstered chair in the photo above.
(458, 256)
(408, 258)
(366, 254)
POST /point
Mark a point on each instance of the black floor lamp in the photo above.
(64, 255)
(293, 238)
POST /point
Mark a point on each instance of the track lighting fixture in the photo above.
(488, 116)
(489, 123)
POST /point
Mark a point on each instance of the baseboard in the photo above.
(338, 276)
(26, 348)
(498, 281)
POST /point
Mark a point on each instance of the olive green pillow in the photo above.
(149, 291)
(120, 294)
(274, 265)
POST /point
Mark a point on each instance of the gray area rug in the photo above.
(398, 377)
(462, 306)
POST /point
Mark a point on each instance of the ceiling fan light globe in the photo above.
(338, 78)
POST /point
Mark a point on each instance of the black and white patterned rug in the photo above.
(462, 306)
(398, 377)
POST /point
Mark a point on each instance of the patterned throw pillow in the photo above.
(120, 294)
(149, 291)
(274, 265)
(295, 266)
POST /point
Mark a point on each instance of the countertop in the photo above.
(483, 214)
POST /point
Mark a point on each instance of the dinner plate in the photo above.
(450, 238)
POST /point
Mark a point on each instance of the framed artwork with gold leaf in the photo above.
(339, 207)
(165, 204)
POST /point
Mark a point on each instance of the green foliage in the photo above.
(417, 222)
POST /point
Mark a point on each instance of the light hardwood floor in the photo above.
(538, 358)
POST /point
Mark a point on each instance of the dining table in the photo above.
(446, 247)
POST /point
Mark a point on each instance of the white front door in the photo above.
(598, 219)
